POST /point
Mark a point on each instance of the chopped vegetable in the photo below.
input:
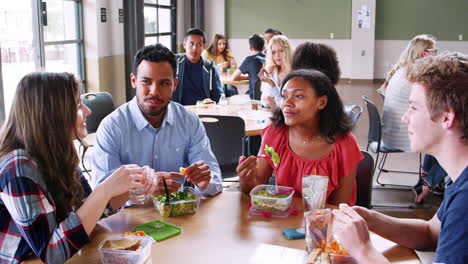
(183, 170)
(274, 156)
(136, 233)
(181, 203)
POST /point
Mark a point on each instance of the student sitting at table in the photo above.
(154, 131)
(252, 65)
(438, 125)
(312, 135)
(198, 77)
(219, 52)
(278, 64)
(47, 208)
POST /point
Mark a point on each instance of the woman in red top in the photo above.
(312, 135)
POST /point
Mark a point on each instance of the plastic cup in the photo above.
(137, 195)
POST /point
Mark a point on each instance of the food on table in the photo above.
(265, 200)
(208, 101)
(266, 193)
(274, 156)
(136, 233)
(318, 256)
(123, 244)
(181, 203)
(183, 170)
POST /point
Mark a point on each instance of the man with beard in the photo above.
(151, 130)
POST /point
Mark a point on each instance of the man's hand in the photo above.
(351, 230)
(199, 174)
(172, 186)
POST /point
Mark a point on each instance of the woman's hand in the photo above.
(123, 179)
(265, 76)
(247, 170)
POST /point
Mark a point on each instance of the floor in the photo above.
(351, 92)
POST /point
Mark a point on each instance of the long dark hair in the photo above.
(213, 48)
(42, 116)
(333, 122)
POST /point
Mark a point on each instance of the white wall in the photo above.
(110, 34)
(362, 40)
(214, 18)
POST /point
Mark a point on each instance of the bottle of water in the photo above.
(223, 100)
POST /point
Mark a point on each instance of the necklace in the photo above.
(314, 139)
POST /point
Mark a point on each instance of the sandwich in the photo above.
(123, 244)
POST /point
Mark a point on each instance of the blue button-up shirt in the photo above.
(126, 137)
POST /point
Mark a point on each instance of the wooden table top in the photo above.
(222, 231)
(252, 127)
(226, 79)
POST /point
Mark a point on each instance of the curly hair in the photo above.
(445, 78)
(316, 56)
(333, 122)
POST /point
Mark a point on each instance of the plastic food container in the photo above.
(275, 205)
(114, 256)
(180, 207)
(342, 259)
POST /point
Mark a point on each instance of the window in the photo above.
(39, 35)
(160, 27)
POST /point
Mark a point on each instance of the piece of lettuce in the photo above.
(274, 156)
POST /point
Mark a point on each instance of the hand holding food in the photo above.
(247, 170)
(199, 174)
(351, 229)
(265, 76)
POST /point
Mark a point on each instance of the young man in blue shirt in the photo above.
(198, 77)
(151, 130)
(252, 66)
(438, 125)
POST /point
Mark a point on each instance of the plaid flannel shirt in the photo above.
(27, 215)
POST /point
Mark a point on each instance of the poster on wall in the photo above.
(363, 17)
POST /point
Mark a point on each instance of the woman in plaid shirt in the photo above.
(46, 205)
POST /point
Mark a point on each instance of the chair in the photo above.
(257, 93)
(375, 143)
(226, 134)
(364, 180)
(101, 104)
(353, 111)
(382, 93)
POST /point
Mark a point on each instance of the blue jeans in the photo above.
(435, 173)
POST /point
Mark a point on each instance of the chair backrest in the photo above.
(226, 134)
(375, 123)
(101, 104)
(364, 180)
(353, 111)
(257, 90)
(381, 92)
